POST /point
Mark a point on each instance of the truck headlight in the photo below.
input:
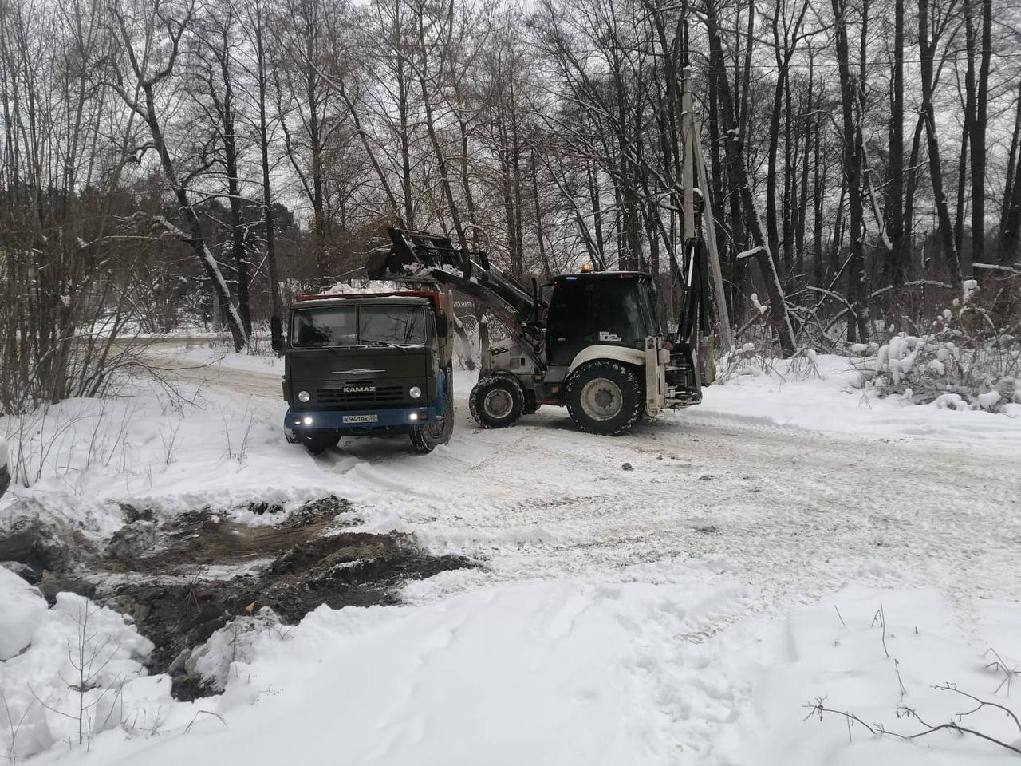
(414, 392)
(303, 396)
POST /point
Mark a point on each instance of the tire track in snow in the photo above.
(787, 511)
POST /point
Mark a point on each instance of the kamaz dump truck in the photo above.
(369, 365)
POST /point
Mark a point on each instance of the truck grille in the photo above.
(357, 393)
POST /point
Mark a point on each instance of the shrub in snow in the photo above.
(756, 360)
(72, 679)
(963, 362)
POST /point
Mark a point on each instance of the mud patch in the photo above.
(186, 577)
(191, 542)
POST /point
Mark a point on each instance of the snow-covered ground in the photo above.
(826, 395)
(681, 595)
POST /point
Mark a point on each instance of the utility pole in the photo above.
(694, 163)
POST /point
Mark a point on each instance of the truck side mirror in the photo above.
(441, 324)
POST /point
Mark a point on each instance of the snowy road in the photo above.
(789, 510)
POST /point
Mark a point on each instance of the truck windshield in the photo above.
(371, 324)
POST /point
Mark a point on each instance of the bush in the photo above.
(965, 362)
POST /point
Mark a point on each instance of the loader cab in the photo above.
(368, 365)
(604, 357)
(604, 308)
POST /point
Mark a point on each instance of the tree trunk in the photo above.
(978, 141)
(962, 185)
(895, 223)
(1010, 225)
(909, 196)
(540, 235)
(927, 50)
(1012, 163)
(230, 151)
(772, 232)
(404, 120)
(276, 310)
(802, 210)
(778, 315)
(856, 327)
(818, 189)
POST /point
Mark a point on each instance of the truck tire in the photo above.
(424, 439)
(605, 397)
(497, 401)
(318, 440)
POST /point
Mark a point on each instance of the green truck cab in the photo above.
(369, 365)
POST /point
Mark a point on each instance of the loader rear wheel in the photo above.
(605, 397)
(496, 402)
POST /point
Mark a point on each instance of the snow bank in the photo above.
(22, 609)
(663, 666)
(78, 673)
(559, 673)
(826, 393)
(159, 450)
(233, 643)
(891, 658)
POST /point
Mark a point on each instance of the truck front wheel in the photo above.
(604, 397)
(497, 401)
(425, 438)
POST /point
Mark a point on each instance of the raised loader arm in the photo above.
(418, 255)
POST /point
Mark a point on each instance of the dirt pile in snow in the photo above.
(182, 579)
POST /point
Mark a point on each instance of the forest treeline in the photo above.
(164, 157)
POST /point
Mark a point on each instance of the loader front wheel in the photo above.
(497, 402)
(605, 397)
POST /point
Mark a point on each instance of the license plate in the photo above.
(361, 419)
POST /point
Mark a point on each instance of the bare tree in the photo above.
(140, 72)
(257, 19)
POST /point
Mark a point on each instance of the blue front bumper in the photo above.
(354, 421)
(379, 420)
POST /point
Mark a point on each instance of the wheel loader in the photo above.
(594, 345)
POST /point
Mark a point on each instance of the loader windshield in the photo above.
(366, 325)
(604, 309)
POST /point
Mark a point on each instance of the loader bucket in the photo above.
(411, 254)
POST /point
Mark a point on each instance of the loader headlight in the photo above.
(415, 392)
(307, 420)
(413, 416)
(303, 396)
